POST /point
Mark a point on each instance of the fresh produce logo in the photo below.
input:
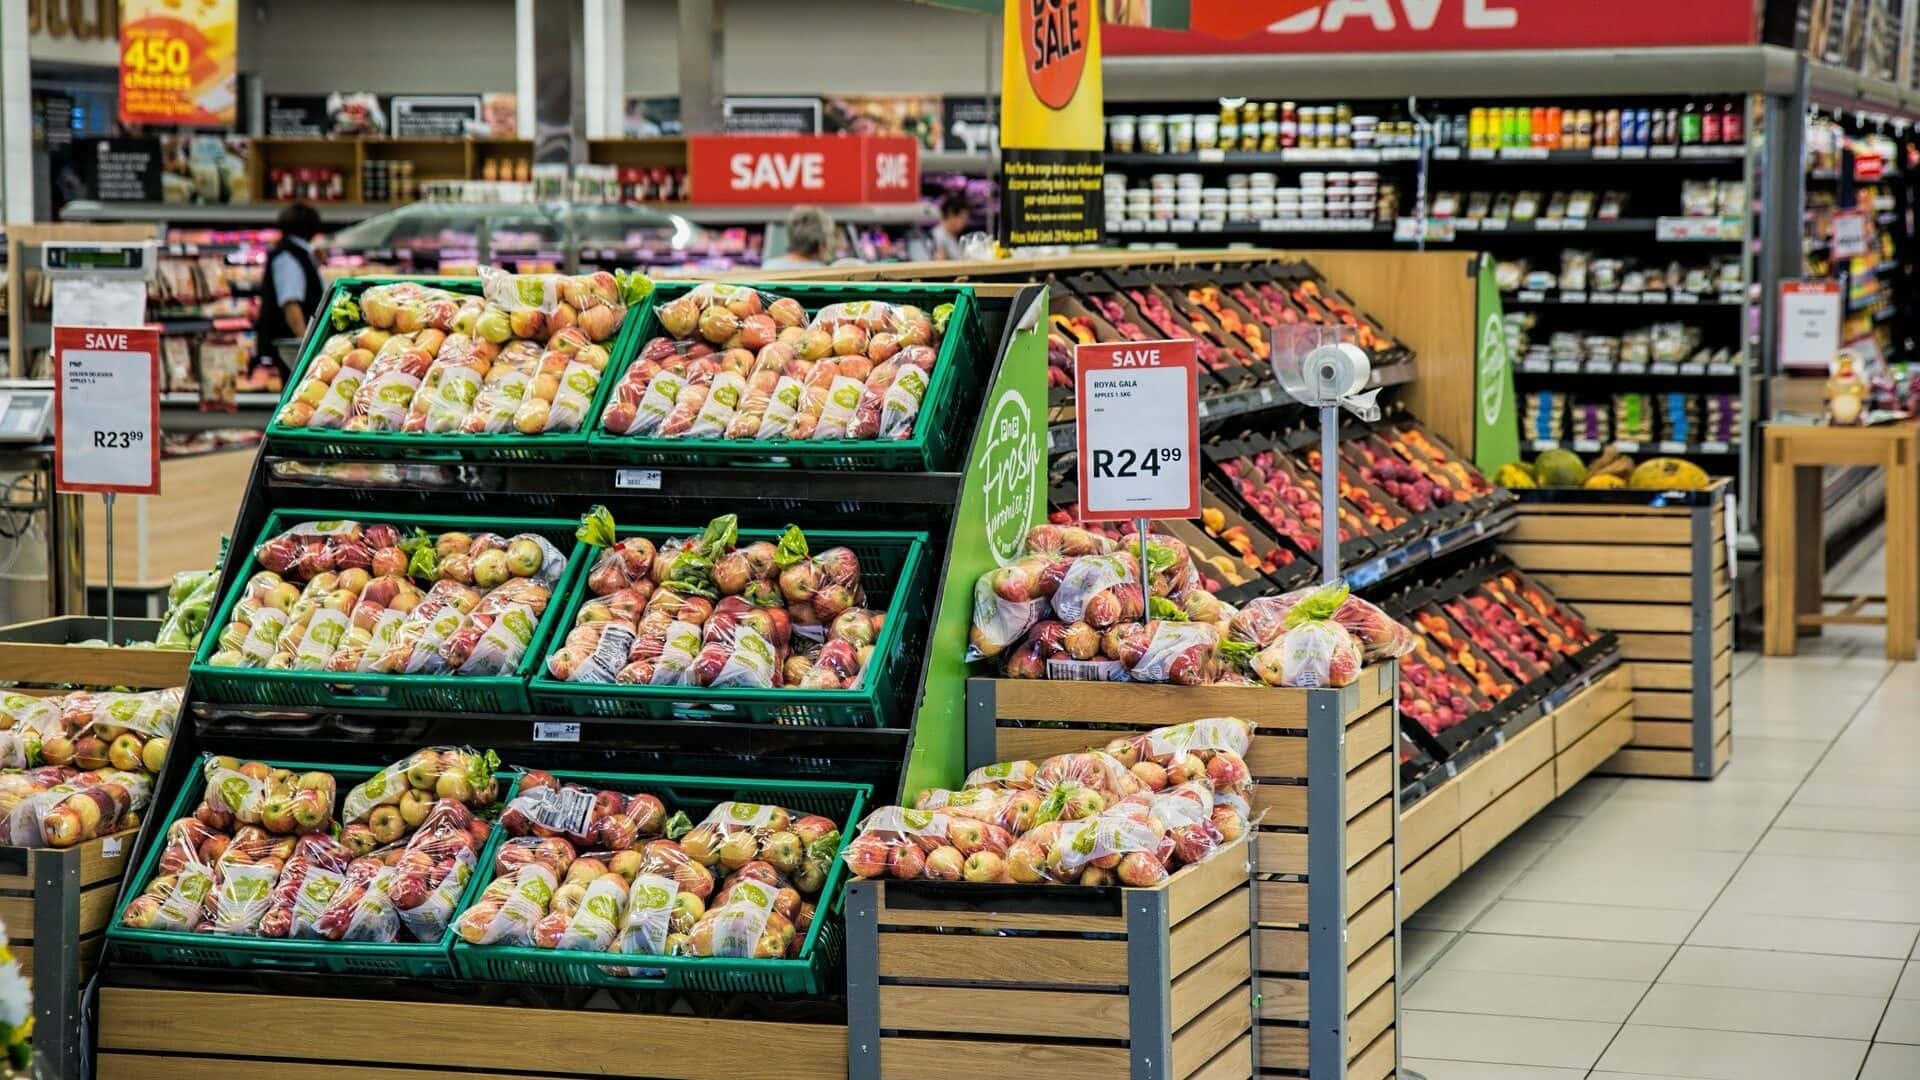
(1053, 38)
(1493, 368)
(1010, 465)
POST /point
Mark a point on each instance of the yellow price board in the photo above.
(177, 62)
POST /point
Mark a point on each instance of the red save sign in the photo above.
(106, 410)
(824, 169)
(1288, 26)
(1138, 430)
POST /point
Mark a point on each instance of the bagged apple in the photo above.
(736, 833)
(509, 907)
(176, 899)
(432, 872)
(362, 909)
(305, 887)
(543, 806)
(462, 774)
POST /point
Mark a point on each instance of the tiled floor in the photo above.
(1759, 927)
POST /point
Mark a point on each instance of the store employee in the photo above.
(290, 292)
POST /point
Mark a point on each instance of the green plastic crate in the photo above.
(934, 431)
(446, 446)
(893, 569)
(190, 948)
(823, 947)
(364, 690)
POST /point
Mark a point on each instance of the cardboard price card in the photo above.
(106, 410)
(1139, 430)
(177, 61)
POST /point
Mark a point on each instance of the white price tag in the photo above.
(106, 406)
(637, 479)
(554, 731)
(1139, 430)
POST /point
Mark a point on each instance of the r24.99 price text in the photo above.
(1128, 462)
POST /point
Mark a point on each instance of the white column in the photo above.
(606, 68)
(16, 115)
(523, 65)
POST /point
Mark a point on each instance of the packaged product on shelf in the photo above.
(408, 788)
(741, 364)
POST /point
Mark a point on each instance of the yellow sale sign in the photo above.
(177, 62)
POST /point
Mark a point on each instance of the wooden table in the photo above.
(1793, 551)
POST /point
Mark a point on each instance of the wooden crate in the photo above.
(949, 980)
(39, 653)
(1456, 824)
(1324, 770)
(155, 1034)
(56, 903)
(1652, 567)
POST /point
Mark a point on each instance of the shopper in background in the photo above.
(955, 212)
(809, 241)
(291, 289)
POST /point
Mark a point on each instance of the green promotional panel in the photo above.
(1003, 495)
(1496, 426)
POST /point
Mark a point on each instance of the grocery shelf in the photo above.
(1392, 564)
(1599, 155)
(1578, 298)
(1686, 369)
(1630, 446)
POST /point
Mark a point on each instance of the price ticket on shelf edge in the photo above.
(106, 410)
(1139, 430)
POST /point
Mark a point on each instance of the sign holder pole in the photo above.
(107, 497)
(1329, 494)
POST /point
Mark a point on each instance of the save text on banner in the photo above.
(106, 410)
(1139, 430)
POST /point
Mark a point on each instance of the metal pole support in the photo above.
(863, 981)
(1701, 643)
(56, 962)
(1149, 986)
(1326, 884)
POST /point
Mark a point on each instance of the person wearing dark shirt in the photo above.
(291, 289)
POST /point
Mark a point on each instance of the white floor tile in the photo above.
(1546, 997)
(1902, 1022)
(1780, 1012)
(1889, 1061)
(1731, 1055)
(1436, 1069)
(1809, 973)
(1505, 1040)
(1558, 956)
(1588, 922)
(1786, 933)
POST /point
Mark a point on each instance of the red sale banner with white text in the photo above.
(781, 170)
(1289, 26)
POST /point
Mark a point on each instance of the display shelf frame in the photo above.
(1656, 568)
(1326, 899)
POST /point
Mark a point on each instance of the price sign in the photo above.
(1139, 430)
(106, 410)
(1852, 234)
(1809, 324)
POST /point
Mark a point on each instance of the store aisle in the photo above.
(1759, 927)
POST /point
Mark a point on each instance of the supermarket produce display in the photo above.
(704, 660)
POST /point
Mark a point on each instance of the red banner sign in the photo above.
(760, 170)
(1288, 26)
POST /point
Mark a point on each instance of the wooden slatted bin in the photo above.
(56, 903)
(1652, 567)
(283, 1027)
(1323, 766)
(953, 979)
